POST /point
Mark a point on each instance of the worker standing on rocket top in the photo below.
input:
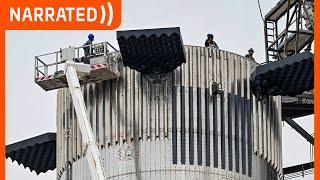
(250, 54)
(210, 42)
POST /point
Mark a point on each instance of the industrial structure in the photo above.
(289, 37)
(159, 109)
(177, 127)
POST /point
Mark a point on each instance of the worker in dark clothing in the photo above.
(250, 54)
(210, 42)
(87, 49)
(87, 44)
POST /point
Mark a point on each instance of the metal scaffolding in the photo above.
(288, 29)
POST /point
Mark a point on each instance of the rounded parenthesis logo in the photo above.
(104, 14)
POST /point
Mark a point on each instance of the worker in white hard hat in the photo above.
(250, 54)
(210, 42)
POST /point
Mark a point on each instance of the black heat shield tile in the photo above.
(37, 153)
(152, 50)
(286, 77)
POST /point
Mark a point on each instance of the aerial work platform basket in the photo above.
(103, 64)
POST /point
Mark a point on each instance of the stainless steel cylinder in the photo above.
(199, 122)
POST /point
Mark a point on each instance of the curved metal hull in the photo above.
(176, 126)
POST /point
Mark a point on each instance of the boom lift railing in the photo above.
(54, 63)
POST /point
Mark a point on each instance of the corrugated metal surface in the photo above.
(37, 153)
(178, 128)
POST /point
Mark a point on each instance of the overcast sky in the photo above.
(236, 25)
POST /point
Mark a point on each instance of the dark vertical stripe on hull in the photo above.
(90, 93)
(262, 129)
(237, 117)
(191, 128)
(199, 127)
(249, 131)
(85, 96)
(104, 118)
(97, 112)
(207, 128)
(215, 132)
(174, 124)
(230, 120)
(223, 148)
(267, 132)
(183, 127)
(243, 135)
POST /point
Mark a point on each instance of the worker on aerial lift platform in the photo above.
(250, 54)
(210, 42)
(88, 50)
(87, 45)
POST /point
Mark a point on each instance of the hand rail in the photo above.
(48, 54)
(52, 64)
(37, 57)
(42, 68)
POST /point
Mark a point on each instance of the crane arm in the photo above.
(72, 71)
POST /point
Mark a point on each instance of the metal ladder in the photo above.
(270, 34)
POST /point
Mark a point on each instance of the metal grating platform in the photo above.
(152, 50)
(296, 110)
(287, 77)
(280, 9)
(298, 171)
(37, 153)
(298, 106)
(304, 38)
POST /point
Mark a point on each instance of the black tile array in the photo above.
(183, 126)
(243, 122)
(199, 127)
(231, 120)
(174, 126)
(207, 126)
(215, 132)
(287, 77)
(222, 130)
(152, 50)
(237, 131)
(231, 148)
(249, 134)
(191, 128)
(38, 153)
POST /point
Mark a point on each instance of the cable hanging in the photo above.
(260, 10)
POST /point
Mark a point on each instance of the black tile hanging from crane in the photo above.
(286, 77)
(152, 50)
(37, 153)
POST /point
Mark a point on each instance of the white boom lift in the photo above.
(73, 74)
(92, 152)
